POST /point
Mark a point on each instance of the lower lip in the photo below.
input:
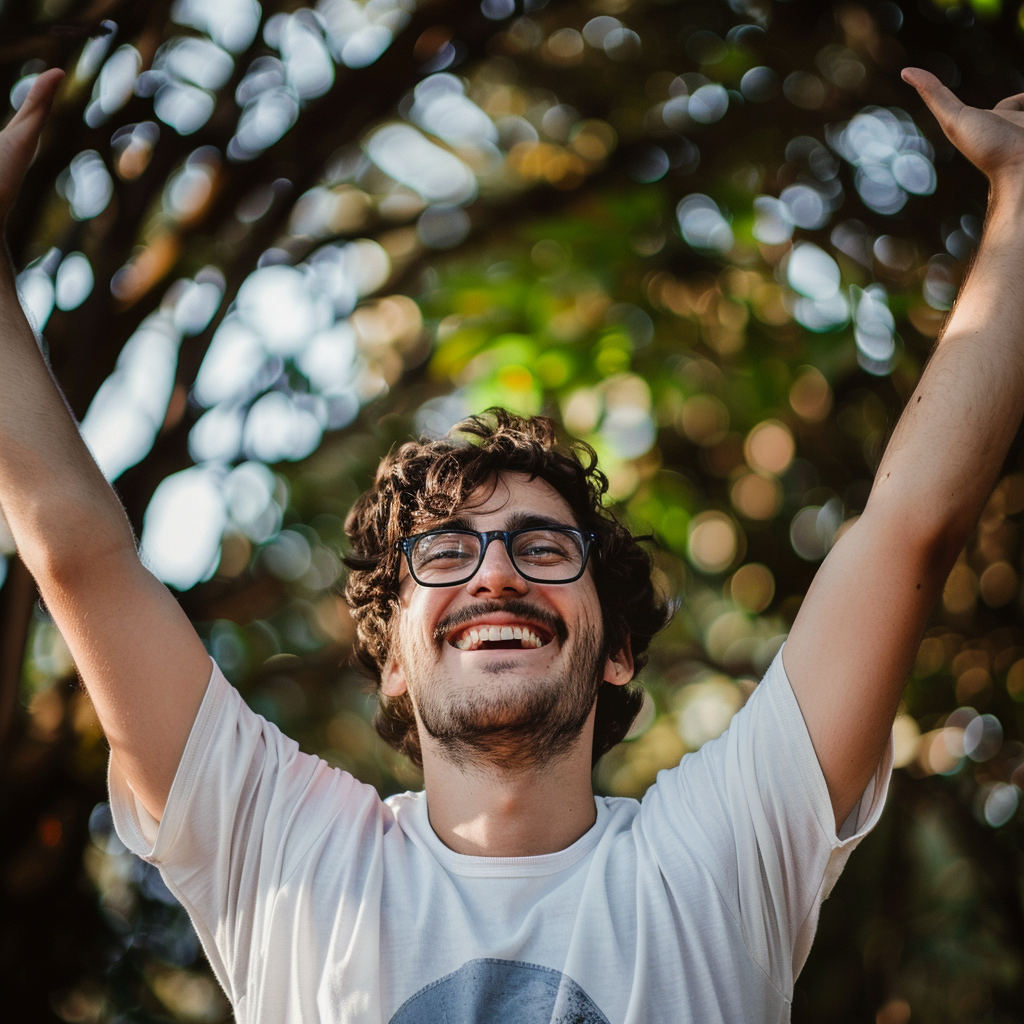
(501, 650)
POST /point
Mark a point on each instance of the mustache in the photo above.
(513, 606)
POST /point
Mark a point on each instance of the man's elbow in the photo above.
(63, 556)
(932, 542)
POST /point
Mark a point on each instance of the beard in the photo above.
(518, 727)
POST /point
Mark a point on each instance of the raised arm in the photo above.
(856, 635)
(141, 661)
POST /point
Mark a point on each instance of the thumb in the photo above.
(939, 100)
(36, 106)
(18, 141)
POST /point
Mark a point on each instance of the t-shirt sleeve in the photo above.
(753, 809)
(244, 809)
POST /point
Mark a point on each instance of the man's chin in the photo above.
(513, 723)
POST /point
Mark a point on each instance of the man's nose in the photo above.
(497, 574)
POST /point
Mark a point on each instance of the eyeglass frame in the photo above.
(485, 537)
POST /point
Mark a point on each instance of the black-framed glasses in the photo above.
(547, 554)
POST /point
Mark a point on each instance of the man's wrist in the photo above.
(1006, 205)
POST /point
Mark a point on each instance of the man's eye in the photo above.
(444, 551)
(545, 548)
(544, 551)
(440, 554)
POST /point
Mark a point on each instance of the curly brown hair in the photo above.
(429, 480)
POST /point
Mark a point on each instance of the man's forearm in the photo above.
(952, 439)
(53, 495)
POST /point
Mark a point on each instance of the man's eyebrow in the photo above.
(455, 523)
(515, 521)
(531, 520)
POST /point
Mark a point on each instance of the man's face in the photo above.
(517, 700)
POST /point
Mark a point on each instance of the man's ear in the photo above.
(618, 669)
(392, 678)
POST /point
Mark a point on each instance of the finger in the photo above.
(36, 105)
(940, 100)
(1011, 103)
(20, 139)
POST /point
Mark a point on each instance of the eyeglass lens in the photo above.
(448, 558)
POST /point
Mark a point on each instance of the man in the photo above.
(504, 615)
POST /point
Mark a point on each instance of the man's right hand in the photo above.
(19, 140)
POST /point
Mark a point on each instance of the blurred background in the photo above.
(264, 241)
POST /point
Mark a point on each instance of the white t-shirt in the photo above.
(316, 901)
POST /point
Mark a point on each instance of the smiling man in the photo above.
(505, 614)
(501, 649)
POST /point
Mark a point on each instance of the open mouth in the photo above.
(485, 637)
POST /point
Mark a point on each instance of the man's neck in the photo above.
(485, 813)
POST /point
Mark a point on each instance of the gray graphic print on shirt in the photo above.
(489, 991)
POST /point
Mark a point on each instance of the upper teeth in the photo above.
(472, 638)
